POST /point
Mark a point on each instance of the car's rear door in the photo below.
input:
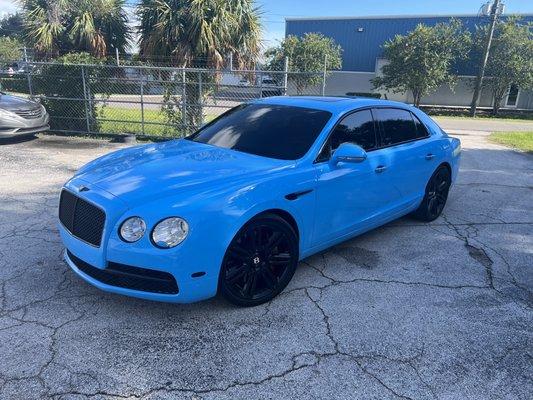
(350, 196)
(410, 154)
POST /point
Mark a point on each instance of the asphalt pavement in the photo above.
(409, 310)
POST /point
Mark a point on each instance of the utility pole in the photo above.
(494, 12)
(117, 56)
(324, 74)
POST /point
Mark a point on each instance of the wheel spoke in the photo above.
(239, 252)
(269, 278)
(274, 241)
(235, 274)
(249, 286)
(280, 259)
(431, 205)
(441, 198)
(256, 238)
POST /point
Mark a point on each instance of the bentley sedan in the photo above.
(234, 207)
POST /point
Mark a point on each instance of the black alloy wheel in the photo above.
(259, 262)
(436, 195)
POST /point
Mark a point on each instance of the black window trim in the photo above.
(342, 117)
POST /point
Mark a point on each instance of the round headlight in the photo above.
(170, 232)
(132, 229)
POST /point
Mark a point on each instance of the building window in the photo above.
(512, 96)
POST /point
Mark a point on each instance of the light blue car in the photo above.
(233, 207)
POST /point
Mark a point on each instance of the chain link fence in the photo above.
(147, 101)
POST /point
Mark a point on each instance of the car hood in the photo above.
(149, 172)
(13, 103)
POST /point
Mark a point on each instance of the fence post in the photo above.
(28, 73)
(286, 76)
(261, 84)
(142, 103)
(183, 99)
(85, 99)
(200, 99)
(324, 75)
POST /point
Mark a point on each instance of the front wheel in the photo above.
(259, 262)
(436, 195)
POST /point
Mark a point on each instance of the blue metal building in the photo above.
(362, 38)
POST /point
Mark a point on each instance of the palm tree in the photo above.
(58, 26)
(200, 32)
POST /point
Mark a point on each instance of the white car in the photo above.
(20, 116)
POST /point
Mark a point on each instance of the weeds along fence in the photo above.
(147, 101)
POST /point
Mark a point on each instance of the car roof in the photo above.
(335, 105)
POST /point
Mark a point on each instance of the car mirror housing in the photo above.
(348, 153)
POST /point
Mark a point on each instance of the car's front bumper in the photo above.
(15, 132)
(189, 289)
(12, 125)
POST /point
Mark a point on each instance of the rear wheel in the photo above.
(259, 262)
(436, 195)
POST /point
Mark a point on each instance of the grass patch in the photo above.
(518, 140)
(128, 120)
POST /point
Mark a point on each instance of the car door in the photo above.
(349, 195)
(409, 153)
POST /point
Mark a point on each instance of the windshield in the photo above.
(275, 131)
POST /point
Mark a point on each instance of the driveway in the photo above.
(410, 310)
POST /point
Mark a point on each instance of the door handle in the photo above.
(380, 169)
(430, 156)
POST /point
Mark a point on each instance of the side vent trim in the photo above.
(295, 195)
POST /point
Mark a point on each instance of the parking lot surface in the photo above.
(410, 310)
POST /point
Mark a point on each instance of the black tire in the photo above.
(436, 195)
(259, 262)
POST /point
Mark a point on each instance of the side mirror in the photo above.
(348, 153)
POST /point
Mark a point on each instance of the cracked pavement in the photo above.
(409, 310)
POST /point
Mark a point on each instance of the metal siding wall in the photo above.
(360, 49)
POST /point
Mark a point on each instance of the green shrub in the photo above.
(62, 85)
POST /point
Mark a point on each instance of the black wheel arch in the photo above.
(283, 214)
(447, 165)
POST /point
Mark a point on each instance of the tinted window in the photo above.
(397, 125)
(421, 130)
(274, 131)
(357, 128)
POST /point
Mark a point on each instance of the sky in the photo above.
(275, 11)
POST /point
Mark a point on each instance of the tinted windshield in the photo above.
(274, 131)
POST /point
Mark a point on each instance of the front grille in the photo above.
(30, 114)
(81, 218)
(126, 276)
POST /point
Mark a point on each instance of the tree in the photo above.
(510, 59)
(11, 25)
(199, 33)
(308, 56)
(61, 26)
(9, 50)
(423, 59)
